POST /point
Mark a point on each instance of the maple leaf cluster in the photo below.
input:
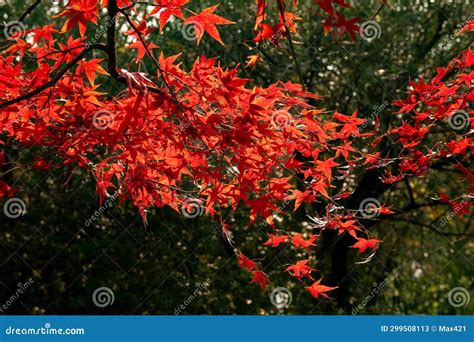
(285, 26)
(442, 104)
(334, 19)
(205, 132)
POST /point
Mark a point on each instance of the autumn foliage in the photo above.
(207, 135)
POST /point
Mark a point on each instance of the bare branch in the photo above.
(384, 2)
(29, 10)
(290, 42)
(112, 11)
(431, 227)
(26, 13)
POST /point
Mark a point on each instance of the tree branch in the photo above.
(112, 11)
(384, 2)
(54, 80)
(29, 10)
(26, 13)
(290, 42)
(150, 54)
(431, 227)
(410, 191)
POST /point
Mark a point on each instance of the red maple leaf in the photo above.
(347, 226)
(275, 240)
(141, 49)
(90, 68)
(317, 289)
(300, 197)
(245, 262)
(298, 241)
(362, 244)
(300, 269)
(79, 12)
(207, 21)
(260, 277)
(167, 8)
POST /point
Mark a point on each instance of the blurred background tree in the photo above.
(156, 270)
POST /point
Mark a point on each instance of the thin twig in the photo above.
(384, 2)
(29, 10)
(26, 13)
(150, 54)
(290, 41)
